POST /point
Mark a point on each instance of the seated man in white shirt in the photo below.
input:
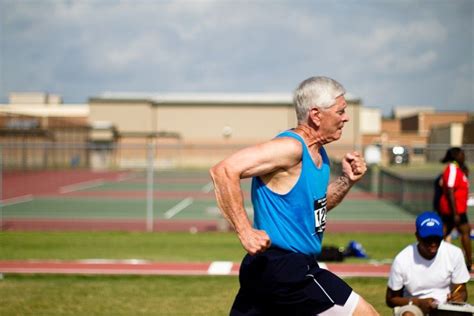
(427, 273)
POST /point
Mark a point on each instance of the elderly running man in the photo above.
(291, 195)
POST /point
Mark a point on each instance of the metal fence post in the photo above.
(150, 180)
(1, 188)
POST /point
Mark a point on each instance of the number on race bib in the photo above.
(320, 211)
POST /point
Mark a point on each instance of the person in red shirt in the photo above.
(453, 201)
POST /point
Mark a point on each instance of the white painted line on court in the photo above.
(126, 176)
(17, 200)
(220, 268)
(208, 187)
(113, 261)
(178, 207)
(81, 186)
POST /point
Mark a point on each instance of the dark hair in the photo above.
(453, 155)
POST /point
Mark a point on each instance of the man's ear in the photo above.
(314, 116)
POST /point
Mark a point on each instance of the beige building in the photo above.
(201, 129)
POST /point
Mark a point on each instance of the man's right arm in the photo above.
(230, 200)
(395, 298)
(253, 161)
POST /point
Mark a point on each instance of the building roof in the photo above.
(281, 98)
(199, 98)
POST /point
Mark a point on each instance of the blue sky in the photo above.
(387, 52)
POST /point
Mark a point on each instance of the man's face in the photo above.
(428, 247)
(332, 120)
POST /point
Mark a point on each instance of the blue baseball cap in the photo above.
(429, 224)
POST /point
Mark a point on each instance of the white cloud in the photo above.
(233, 45)
(386, 37)
(405, 64)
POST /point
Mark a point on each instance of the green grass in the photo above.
(124, 295)
(201, 247)
(141, 295)
(151, 295)
(169, 247)
(179, 246)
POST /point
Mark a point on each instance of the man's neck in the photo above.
(424, 255)
(309, 135)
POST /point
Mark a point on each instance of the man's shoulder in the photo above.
(289, 143)
(405, 253)
(450, 248)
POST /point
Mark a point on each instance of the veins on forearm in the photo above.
(337, 190)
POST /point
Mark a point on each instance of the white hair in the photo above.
(315, 92)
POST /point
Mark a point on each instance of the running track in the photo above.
(138, 267)
(109, 267)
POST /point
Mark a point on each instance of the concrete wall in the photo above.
(370, 120)
(443, 137)
(237, 122)
(136, 116)
(206, 126)
(468, 136)
(210, 123)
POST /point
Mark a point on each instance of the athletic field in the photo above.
(74, 243)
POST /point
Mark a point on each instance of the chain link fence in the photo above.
(145, 182)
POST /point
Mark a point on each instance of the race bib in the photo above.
(320, 211)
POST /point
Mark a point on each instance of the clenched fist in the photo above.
(353, 166)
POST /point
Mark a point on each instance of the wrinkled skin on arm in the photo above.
(277, 161)
(353, 169)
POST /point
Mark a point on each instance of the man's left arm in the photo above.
(353, 168)
(458, 293)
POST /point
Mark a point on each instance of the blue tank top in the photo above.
(295, 221)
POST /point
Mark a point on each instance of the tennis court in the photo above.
(172, 199)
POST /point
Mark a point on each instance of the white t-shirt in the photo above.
(428, 278)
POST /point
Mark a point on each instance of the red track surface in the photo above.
(160, 268)
(17, 184)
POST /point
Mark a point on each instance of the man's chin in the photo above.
(338, 134)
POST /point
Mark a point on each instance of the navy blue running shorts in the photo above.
(281, 282)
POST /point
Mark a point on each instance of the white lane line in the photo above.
(125, 176)
(208, 187)
(17, 200)
(178, 207)
(113, 261)
(220, 268)
(81, 186)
